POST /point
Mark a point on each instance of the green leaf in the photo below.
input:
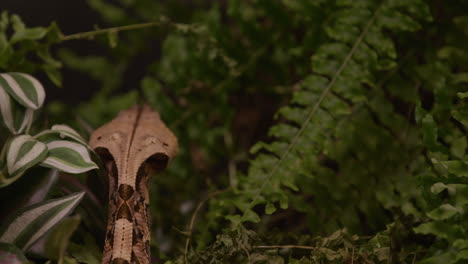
(87, 252)
(439, 187)
(461, 115)
(69, 157)
(24, 88)
(440, 229)
(23, 153)
(54, 35)
(395, 20)
(3, 45)
(462, 255)
(250, 216)
(270, 208)
(235, 220)
(17, 23)
(10, 254)
(430, 133)
(28, 34)
(381, 43)
(461, 243)
(69, 260)
(30, 223)
(59, 238)
(458, 147)
(23, 33)
(457, 167)
(442, 257)
(445, 211)
(462, 23)
(54, 74)
(113, 38)
(4, 21)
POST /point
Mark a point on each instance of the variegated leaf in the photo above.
(69, 157)
(10, 254)
(24, 88)
(16, 117)
(23, 153)
(32, 222)
(60, 132)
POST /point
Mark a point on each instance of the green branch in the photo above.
(163, 21)
(92, 34)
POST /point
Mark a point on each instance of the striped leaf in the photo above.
(66, 131)
(32, 222)
(24, 88)
(69, 157)
(16, 117)
(10, 254)
(23, 153)
(58, 132)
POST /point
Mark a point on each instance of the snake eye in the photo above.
(158, 161)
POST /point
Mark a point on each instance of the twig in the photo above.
(286, 246)
(85, 125)
(194, 217)
(91, 34)
(163, 21)
(246, 252)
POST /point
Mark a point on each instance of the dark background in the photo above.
(72, 17)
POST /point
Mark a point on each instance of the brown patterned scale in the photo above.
(130, 146)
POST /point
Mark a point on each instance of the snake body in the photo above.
(130, 146)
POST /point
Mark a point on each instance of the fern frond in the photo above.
(358, 48)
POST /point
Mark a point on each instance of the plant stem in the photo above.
(286, 246)
(91, 34)
(194, 216)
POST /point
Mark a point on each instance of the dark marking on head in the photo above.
(124, 212)
(134, 258)
(109, 234)
(137, 207)
(147, 211)
(104, 154)
(138, 235)
(125, 191)
(158, 161)
(119, 261)
(142, 177)
(147, 246)
(134, 238)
